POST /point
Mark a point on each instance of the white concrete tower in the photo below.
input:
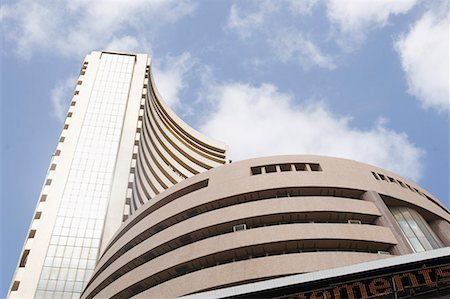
(89, 189)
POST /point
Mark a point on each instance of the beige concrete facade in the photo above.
(301, 214)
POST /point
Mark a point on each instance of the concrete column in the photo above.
(442, 229)
(388, 220)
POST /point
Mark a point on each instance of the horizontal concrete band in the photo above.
(242, 239)
(255, 269)
(177, 140)
(240, 211)
(271, 208)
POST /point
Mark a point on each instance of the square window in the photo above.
(32, 234)
(62, 139)
(48, 182)
(300, 166)
(69, 114)
(270, 168)
(38, 215)
(256, 170)
(285, 167)
(79, 82)
(315, 167)
(66, 126)
(43, 197)
(15, 285)
(53, 166)
(73, 103)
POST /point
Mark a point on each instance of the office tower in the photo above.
(239, 229)
(120, 147)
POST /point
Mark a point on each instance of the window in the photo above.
(73, 103)
(57, 152)
(15, 285)
(62, 139)
(415, 229)
(270, 168)
(79, 82)
(66, 126)
(43, 197)
(69, 114)
(375, 175)
(76, 92)
(32, 234)
(48, 182)
(285, 167)
(256, 170)
(53, 166)
(382, 177)
(300, 166)
(315, 167)
(24, 258)
(38, 215)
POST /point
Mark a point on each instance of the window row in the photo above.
(382, 177)
(285, 167)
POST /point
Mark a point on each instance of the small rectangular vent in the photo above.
(239, 227)
(352, 221)
(383, 252)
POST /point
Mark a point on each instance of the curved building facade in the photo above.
(169, 150)
(265, 218)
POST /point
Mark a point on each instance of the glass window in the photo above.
(416, 229)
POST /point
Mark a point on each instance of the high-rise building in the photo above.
(297, 226)
(120, 147)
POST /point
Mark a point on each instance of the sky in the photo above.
(361, 79)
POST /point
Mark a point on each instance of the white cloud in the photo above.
(303, 7)
(424, 53)
(355, 17)
(79, 26)
(292, 46)
(128, 44)
(168, 75)
(288, 44)
(245, 22)
(260, 120)
(60, 95)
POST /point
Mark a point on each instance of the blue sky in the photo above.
(366, 80)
